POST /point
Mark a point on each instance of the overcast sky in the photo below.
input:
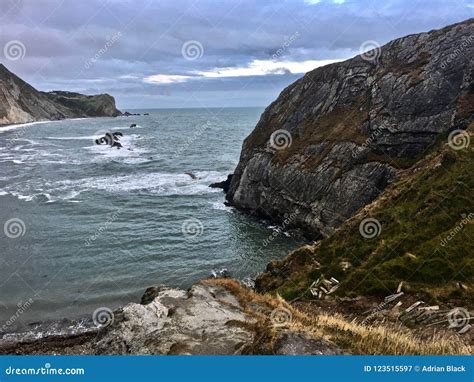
(182, 53)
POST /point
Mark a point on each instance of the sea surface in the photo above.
(86, 226)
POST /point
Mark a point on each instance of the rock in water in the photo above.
(333, 140)
(225, 184)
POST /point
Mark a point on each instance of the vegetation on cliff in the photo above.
(423, 236)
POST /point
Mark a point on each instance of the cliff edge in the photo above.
(22, 103)
(333, 140)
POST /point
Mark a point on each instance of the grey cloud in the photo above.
(61, 37)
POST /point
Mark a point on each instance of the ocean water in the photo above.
(84, 226)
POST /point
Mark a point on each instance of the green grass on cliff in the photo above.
(429, 204)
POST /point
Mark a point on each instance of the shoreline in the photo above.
(14, 126)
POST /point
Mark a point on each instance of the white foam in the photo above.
(165, 184)
(20, 125)
(219, 205)
(155, 183)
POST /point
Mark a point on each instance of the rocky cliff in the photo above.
(418, 231)
(20, 102)
(333, 140)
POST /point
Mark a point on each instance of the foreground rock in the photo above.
(334, 139)
(207, 319)
(21, 103)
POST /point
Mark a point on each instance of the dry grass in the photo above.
(379, 339)
(351, 336)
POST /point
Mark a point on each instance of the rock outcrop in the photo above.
(333, 140)
(214, 317)
(21, 103)
(206, 319)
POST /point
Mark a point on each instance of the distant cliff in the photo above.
(20, 102)
(333, 140)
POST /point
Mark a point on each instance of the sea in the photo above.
(86, 226)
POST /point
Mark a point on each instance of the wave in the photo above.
(20, 125)
(162, 184)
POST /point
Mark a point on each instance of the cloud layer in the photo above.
(200, 53)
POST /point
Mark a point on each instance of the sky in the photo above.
(199, 53)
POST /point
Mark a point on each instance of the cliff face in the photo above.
(20, 102)
(89, 106)
(333, 140)
(419, 231)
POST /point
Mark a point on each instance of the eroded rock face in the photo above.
(207, 319)
(351, 125)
